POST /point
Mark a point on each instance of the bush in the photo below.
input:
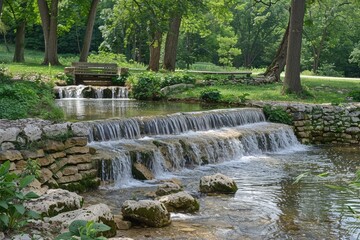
(13, 214)
(147, 87)
(87, 230)
(177, 78)
(277, 114)
(22, 99)
(121, 79)
(210, 95)
(355, 95)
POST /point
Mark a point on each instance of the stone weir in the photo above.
(82, 91)
(138, 127)
(147, 148)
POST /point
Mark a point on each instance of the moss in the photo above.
(84, 185)
(111, 224)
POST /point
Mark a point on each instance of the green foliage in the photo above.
(84, 230)
(121, 79)
(355, 55)
(328, 69)
(176, 78)
(210, 95)
(243, 97)
(32, 168)
(227, 50)
(107, 57)
(147, 87)
(13, 214)
(277, 114)
(22, 99)
(355, 95)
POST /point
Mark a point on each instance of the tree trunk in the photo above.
(292, 83)
(20, 43)
(1, 6)
(155, 48)
(49, 25)
(89, 31)
(171, 43)
(274, 70)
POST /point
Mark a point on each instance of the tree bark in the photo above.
(274, 70)
(49, 25)
(171, 43)
(89, 31)
(155, 48)
(1, 5)
(292, 83)
(20, 42)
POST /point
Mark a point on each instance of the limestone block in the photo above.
(58, 164)
(32, 132)
(46, 175)
(141, 172)
(85, 166)
(217, 183)
(45, 161)
(352, 130)
(53, 146)
(11, 155)
(121, 224)
(149, 212)
(168, 188)
(76, 141)
(80, 129)
(56, 129)
(58, 155)
(77, 150)
(180, 202)
(7, 146)
(9, 134)
(20, 165)
(70, 178)
(89, 173)
(70, 170)
(27, 154)
(76, 159)
(97, 213)
(55, 201)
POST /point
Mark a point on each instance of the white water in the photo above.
(82, 91)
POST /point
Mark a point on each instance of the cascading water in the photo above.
(82, 91)
(186, 140)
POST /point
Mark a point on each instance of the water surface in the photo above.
(82, 109)
(268, 204)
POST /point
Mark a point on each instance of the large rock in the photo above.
(141, 172)
(180, 202)
(55, 201)
(32, 132)
(9, 134)
(97, 213)
(56, 129)
(168, 188)
(217, 183)
(149, 212)
(11, 155)
(80, 129)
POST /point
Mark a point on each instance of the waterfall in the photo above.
(186, 140)
(82, 91)
(173, 124)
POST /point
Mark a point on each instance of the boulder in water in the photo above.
(168, 188)
(141, 172)
(217, 183)
(149, 212)
(180, 202)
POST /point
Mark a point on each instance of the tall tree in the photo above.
(171, 43)
(292, 83)
(49, 20)
(89, 30)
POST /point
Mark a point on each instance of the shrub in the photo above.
(13, 214)
(210, 95)
(81, 229)
(22, 99)
(277, 114)
(121, 79)
(177, 78)
(355, 95)
(147, 87)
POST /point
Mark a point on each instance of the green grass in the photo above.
(318, 91)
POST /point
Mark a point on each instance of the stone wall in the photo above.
(60, 149)
(322, 123)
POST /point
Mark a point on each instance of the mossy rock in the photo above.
(217, 183)
(180, 202)
(151, 213)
